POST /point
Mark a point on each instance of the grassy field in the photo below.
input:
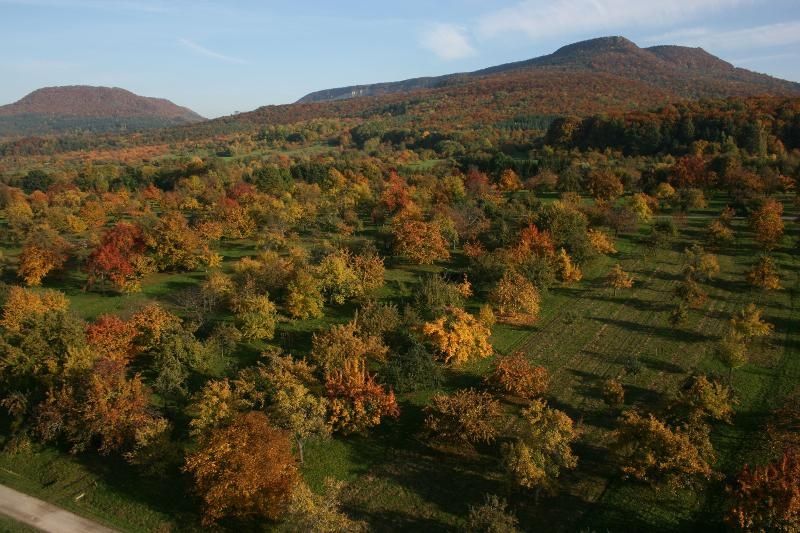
(585, 335)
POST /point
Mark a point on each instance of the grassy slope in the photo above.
(584, 336)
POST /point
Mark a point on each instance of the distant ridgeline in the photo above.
(84, 109)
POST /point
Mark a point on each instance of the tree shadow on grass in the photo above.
(663, 332)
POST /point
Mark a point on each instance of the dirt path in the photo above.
(43, 516)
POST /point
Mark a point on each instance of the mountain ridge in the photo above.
(668, 67)
(90, 108)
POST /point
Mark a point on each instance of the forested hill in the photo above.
(683, 72)
(93, 109)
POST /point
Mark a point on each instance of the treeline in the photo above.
(757, 125)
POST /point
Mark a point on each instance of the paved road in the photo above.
(43, 516)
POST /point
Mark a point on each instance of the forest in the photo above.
(409, 313)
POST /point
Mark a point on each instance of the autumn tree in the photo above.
(731, 351)
(604, 185)
(613, 393)
(748, 323)
(601, 242)
(103, 407)
(256, 317)
(357, 401)
(458, 336)
(119, 258)
(516, 299)
(707, 398)
(690, 292)
(244, 469)
(492, 516)
(44, 252)
(699, 264)
(304, 298)
(542, 448)
(767, 223)
(175, 245)
(22, 304)
(652, 451)
(515, 375)
(767, 498)
(718, 234)
(294, 407)
(509, 181)
(112, 338)
(764, 274)
(464, 416)
(342, 342)
(568, 272)
(421, 242)
(320, 513)
(619, 279)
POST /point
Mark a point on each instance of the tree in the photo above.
(652, 451)
(767, 223)
(492, 516)
(690, 292)
(175, 244)
(604, 185)
(357, 401)
(304, 299)
(601, 242)
(465, 416)
(22, 304)
(707, 398)
(102, 408)
(515, 375)
(214, 407)
(112, 338)
(458, 336)
(119, 258)
(619, 279)
(718, 234)
(731, 351)
(244, 469)
(342, 342)
(767, 498)
(699, 264)
(320, 513)
(568, 272)
(294, 407)
(641, 205)
(256, 317)
(679, 315)
(764, 274)
(747, 322)
(516, 299)
(613, 393)
(543, 447)
(509, 181)
(421, 242)
(43, 253)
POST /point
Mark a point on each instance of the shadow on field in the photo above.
(664, 332)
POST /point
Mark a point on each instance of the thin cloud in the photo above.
(202, 50)
(447, 41)
(542, 18)
(766, 36)
(110, 5)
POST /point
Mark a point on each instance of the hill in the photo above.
(86, 108)
(683, 72)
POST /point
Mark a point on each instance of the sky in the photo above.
(219, 58)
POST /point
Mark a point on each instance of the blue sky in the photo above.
(221, 57)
